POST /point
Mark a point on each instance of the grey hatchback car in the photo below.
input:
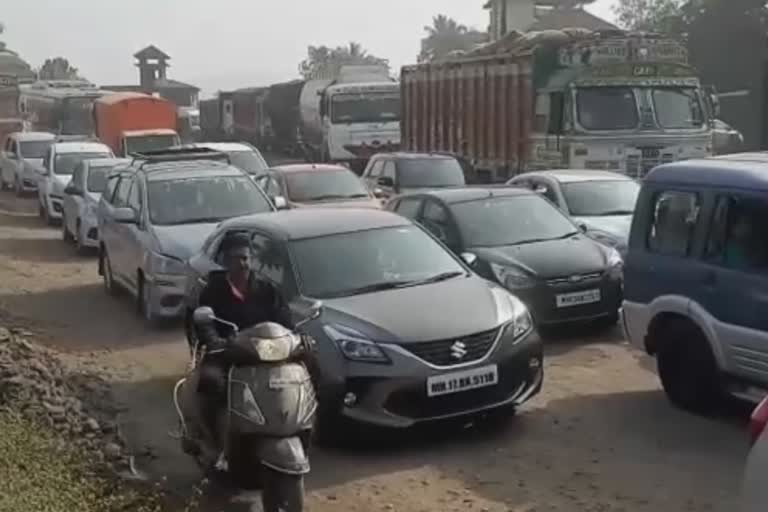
(408, 333)
(157, 212)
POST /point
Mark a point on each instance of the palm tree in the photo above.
(446, 35)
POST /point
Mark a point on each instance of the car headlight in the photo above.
(615, 264)
(511, 277)
(512, 313)
(355, 346)
(163, 264)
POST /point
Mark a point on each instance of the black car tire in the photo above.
(82, 250)
(143, 305)
(17, 187)
(65, 234)
(687, 368)
(282, 492)
(109, 279)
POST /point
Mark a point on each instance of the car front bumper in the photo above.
(395, 395)
(542, 300)
(166, 295)
(55, 206)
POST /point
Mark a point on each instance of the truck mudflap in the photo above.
(286, 455)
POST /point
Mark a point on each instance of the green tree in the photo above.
(325, 61)
(649, 15)
(446, 36)
(58, 68)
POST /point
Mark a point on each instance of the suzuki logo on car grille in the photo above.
(458, 350)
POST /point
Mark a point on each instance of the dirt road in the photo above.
(600, 438)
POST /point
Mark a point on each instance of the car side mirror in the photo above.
(125, 216)
(280, 202)
(378, 193)
(469, 258)
(386, 181)
(72, 190)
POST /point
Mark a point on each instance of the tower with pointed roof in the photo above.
(152, 63)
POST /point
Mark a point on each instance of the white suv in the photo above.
(22, 158)
(58, 165)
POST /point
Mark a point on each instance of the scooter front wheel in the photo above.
(282, 492)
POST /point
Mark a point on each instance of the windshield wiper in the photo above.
(375, 287)
(567, 235)
(196, 220)
(444, 276)
(328, 196)
(352, 196)
(616, 212)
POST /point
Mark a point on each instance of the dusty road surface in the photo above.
(600, 438)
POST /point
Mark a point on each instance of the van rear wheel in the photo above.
(687, 368)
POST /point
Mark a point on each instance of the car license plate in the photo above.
(565, 300)
(456, 382)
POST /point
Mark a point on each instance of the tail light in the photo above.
(758, 421)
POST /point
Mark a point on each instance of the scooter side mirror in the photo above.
(203, 315)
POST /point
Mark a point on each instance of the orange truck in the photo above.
(132, 122)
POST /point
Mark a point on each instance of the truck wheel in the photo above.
(687, 368)
(282, 492)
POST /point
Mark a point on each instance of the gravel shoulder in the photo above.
(601, 437)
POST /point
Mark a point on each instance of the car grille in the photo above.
(575, 279)
(640, 165)
(413, 402)
(440, 352)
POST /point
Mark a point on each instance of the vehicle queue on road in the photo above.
(433, 307)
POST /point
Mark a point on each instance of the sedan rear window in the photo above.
(324, 185)
(430, 173)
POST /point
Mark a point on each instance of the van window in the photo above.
(110, 189)
(121, 197)
(737, 237)
(674, 217)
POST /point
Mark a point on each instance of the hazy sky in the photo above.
(223, 44)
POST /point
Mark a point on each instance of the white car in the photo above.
(754, 497)
(22, 158)
(79, 223)
(58, 165)
(241, 155)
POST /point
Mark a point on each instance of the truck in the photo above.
(61, 107)
(130, 122)
(11, 119)
(570, 98)
(342, 117)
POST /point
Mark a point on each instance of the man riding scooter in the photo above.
(238, 296)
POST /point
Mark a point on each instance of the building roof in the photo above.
(560, 18)
(311, 223)
(748, 171)
(151, 52)
(571, 175)
(464, 194)
(166, 83)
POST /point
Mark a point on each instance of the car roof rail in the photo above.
(178, 154)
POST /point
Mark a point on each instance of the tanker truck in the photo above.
(570, 98)
(343, 118)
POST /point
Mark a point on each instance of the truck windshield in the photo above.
(35, 148)
(76, 117)
(365, 108)
(677, 108)
(150, 143)
(607, 108)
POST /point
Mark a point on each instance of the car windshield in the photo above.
(607, 108)
(249, 161)
(65, 163)
(144, 143)
(430, 172)
(97, 178)
(202, 200)
(601, 198)
(497, 221)
(324, 185)
(35, 148)
(373, 260)
(677, 108)
(368, 108)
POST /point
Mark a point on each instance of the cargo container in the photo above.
(567, 98)
(130, 122)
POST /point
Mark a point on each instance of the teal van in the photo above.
(696, 278)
